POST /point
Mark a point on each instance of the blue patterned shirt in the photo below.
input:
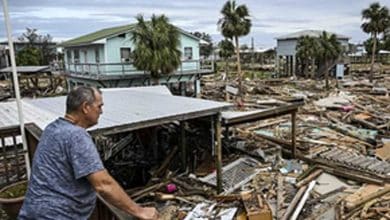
(58, 187)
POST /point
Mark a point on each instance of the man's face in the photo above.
(94, 110)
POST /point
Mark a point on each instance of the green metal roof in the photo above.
(104, 33)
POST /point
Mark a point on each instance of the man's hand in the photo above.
(148, 213)
(110, 190)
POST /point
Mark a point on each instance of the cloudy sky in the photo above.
(65, 19)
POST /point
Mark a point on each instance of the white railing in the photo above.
(187, 66)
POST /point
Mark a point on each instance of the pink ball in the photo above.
(171, 188)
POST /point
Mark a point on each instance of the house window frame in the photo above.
(186, 55)
(97, 55)
(76, 59)
(69, 56)
(125, 60)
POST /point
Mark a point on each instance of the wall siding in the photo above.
(187, 41)
(288, 47)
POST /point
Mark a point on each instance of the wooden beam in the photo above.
(293, 133)
(218, 150)
(183, 145)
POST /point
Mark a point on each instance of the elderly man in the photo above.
(67, 169)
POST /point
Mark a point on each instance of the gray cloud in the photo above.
(71, 18)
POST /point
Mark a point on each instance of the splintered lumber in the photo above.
(364, 214)
(255, 207)
(303, 200)
(227, 198)
(364, 123)
(306, 173)
(350, 174)
(342, 129)
(309, 178)
(280, 197)
(165, 197)
(139, 194)
(383, 152)
(266, 124)
(294, 202)
(365, 194)
(166, 162)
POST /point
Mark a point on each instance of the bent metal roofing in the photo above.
(124, 109)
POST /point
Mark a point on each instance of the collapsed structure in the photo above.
(198, 159)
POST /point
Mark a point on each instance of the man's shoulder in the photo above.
(61, 127)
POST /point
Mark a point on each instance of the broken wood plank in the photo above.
(364, 194)
(309, 178)
(303, 200)
(350, 174)
(137, 195)
(254, 211)
(159, 172)
(383, 152)
(280, 197)
(294, 203)
(365, 123)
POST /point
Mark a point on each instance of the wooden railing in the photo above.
(12, 162)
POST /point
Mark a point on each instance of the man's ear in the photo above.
(85, 107)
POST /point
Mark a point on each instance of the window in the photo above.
(69, 56)
(76, 58)
(188, 53)
(126, 55)
(97, 55)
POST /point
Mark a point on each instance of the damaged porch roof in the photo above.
(125, 109)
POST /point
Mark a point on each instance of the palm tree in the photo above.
(329, 51)
(376, 20)
(226, 50)
(234, 24)
(156, 46)
(306, 52)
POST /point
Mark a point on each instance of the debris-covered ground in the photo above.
(342, 169)
(43, 85)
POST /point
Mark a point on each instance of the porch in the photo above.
(119, 75)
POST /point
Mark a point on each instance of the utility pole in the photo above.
(16, 86)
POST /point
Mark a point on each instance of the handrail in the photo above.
(123, 68)
(12, 165)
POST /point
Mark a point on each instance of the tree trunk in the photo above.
(373, 59)
(305, 69)
(240, 92)
(226, 69)
(313, 64)
(226, 79)
(327, 75)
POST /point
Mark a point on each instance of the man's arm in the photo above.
(113, 193)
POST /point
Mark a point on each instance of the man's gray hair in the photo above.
(78, 96)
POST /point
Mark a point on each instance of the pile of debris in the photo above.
(43, 86)
(342, 170)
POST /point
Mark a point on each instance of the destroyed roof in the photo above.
(124, 109)
(310, 33)
(109, 32)
(26, 69)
